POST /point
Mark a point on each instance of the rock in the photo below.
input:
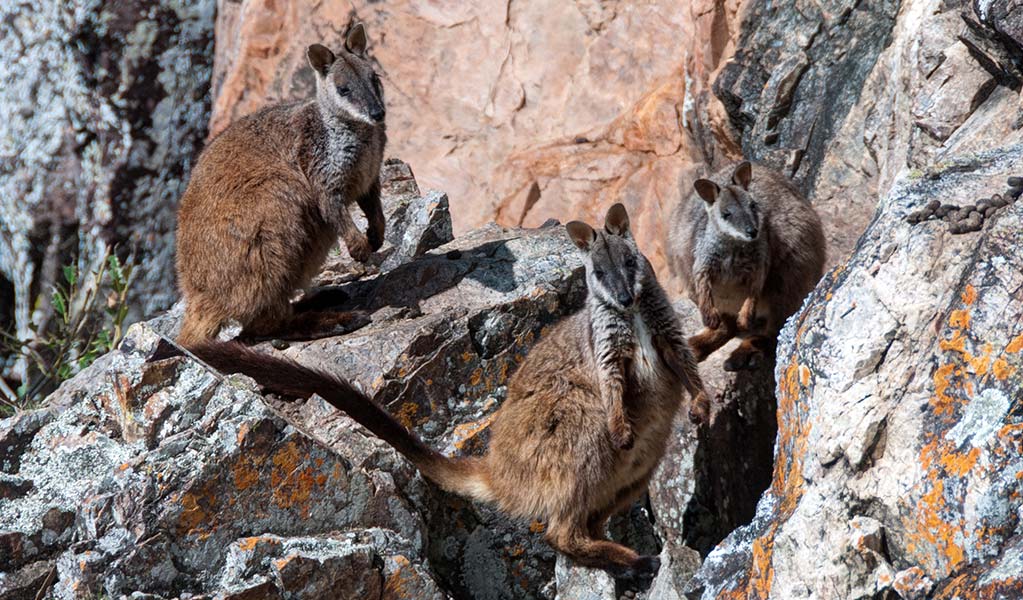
(952, 93)
(105, 108)
(907, 433)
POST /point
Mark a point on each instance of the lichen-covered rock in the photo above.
(105, 106)
(165, 478)
(897, 467)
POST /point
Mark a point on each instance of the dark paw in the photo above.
(711, 319)
(699, 410)
(351, 321)
(375, 237)
(646, 567)
(743, 361)
(322, 299)
(623, 439)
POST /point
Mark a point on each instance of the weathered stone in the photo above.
(908, 434)
(105, 107)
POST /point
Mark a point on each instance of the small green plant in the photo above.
(78, 332)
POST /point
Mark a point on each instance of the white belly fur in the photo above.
(646, 361)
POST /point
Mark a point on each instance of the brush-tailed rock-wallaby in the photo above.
(587, 416)
(748, 248)
(270, 195)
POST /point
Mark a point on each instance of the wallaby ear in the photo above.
(742, 175)
(707, 189)
(617, 220)
(582, 235)
(356, 40)
(320, 58)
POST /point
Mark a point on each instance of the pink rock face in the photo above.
(593, 101)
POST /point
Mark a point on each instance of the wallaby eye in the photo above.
(343, 91)
(598, 274)
(726, 214)
(630, 262)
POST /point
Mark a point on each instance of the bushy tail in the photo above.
(286, 377)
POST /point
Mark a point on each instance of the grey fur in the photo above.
(745, 284)
(349, 138)
(626, 307)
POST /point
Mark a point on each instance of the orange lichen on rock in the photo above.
(761, 572)
(195, 510)
(943, 404)
(1001, 369)
(959, 464)
(959, 318)
(401, 582)
(793, 435)
(292, 484)
(969, 295)
(249, 544)
(406, 414)
(245, 476)
(1015, 345)
(467, 435)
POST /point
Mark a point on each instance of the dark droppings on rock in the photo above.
(971, 217)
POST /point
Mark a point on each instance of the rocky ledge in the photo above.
(896, 474)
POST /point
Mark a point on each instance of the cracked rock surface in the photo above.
(897, 468)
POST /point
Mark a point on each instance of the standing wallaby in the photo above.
(587, 417)
(748, 251)
(270, 195)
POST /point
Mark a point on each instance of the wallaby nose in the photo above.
(377, 114)
(751, 232)
(625, 300)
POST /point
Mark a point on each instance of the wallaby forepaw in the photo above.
(359, 247)
(699, 409)
(623, 438)
(743, 360)
(375, 236)
(350, 321)
(711, 318)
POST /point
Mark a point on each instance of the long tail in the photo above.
(286, 377)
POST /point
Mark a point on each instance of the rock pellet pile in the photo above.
(969, 218)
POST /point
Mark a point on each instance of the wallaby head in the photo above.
(615, 268)
(346, 83)
(732, 209)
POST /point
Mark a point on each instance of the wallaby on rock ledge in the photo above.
(269, 197)
(748, 251)
(587, 416)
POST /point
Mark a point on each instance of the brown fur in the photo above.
(269, 197)
(753, 293)
(552, 455)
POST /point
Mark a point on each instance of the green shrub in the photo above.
(87, 322)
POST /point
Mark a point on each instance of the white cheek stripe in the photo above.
(349, 108)
(724, 226)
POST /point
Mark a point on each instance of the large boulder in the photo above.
(897, 468)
